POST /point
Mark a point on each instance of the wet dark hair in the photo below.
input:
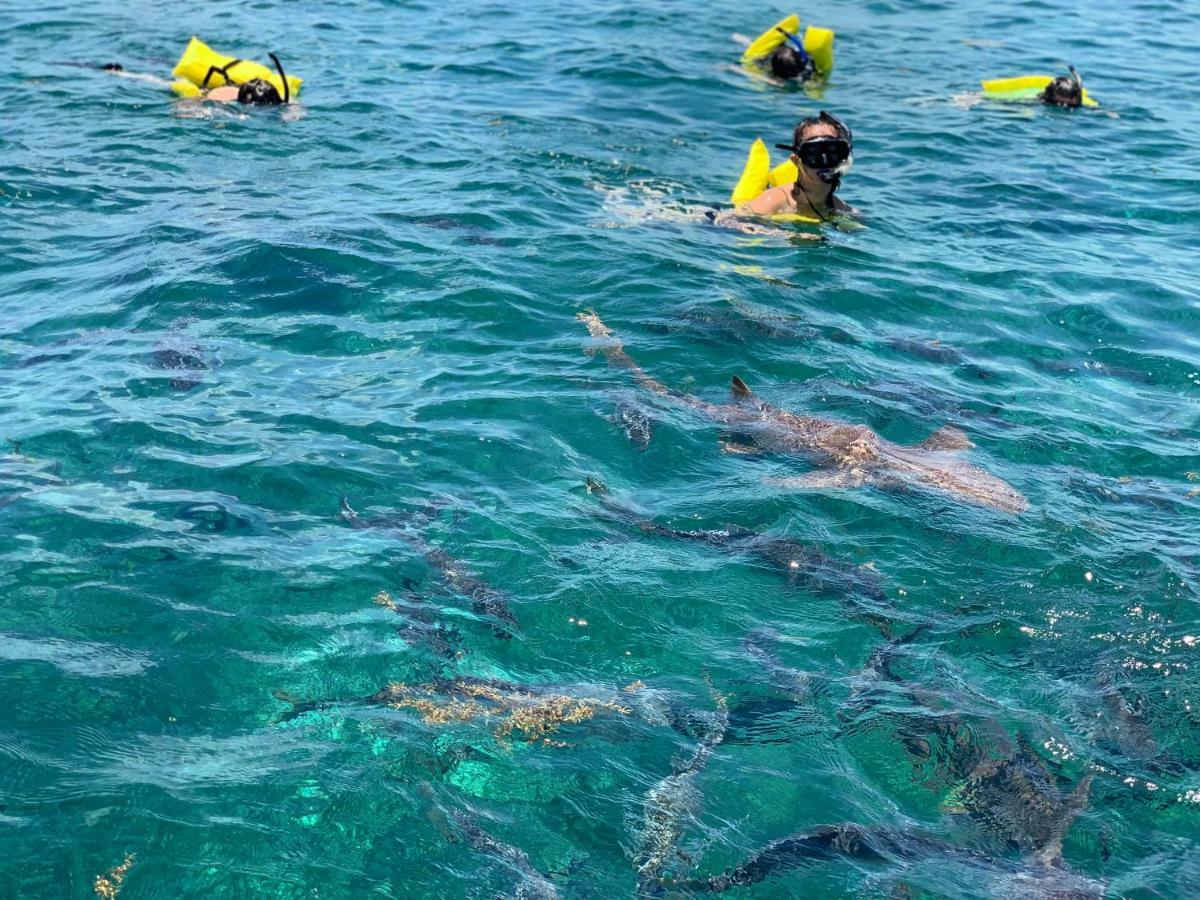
(259, 91)
(1065, 90)
(787, 63)
(823, 118)
(113, 67)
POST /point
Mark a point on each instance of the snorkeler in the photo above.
(1065, 90)
(204, 74)
(784, 56)
(822, 151)
(257, 91)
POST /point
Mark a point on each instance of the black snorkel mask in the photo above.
(260, 92)
(829, 158)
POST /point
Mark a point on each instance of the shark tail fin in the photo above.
(299, 706)
(738, 389)
(947, 438)
(347, 510)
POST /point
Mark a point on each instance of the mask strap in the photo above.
(223, 71)
(287, 89)
(841, 126)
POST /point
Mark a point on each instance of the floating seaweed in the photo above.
(516, 710)
(108, 885)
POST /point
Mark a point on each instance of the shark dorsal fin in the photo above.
(739, 391)
(348, 510)
(947, 438)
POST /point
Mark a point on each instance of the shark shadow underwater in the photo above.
(488, 602)
(849, 455)
(799, 564)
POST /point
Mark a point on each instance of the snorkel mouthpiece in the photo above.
(834, 176)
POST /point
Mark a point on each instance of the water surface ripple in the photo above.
(216, 325)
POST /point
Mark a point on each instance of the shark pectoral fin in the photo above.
(947, 438)
(739, 391)
(820, 480)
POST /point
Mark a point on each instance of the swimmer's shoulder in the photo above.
(226, 93)
(771, 201)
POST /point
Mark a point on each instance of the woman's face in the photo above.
(808, 179)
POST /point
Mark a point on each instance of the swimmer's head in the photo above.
(788, 64)
(260, 92)
(790, 61)
(1066, 91)
(823, 145)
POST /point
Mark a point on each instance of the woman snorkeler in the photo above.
(822, 149)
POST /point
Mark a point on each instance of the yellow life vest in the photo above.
(198, 58)
(757, 176)
(818, 43)
(1024, 87)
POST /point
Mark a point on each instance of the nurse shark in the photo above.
(849, 455)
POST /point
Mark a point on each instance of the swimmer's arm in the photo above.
(139, 76)
(734, 220)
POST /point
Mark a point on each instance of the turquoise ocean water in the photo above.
(215, 325)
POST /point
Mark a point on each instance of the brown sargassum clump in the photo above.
(532, 715)
(384, 599)
(108, 885)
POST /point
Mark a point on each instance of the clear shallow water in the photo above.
(216, 326)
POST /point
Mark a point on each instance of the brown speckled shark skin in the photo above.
(849, 455)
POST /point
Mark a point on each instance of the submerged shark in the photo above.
(850, 455)
(1005, 787)
(671, 802)
(990, 876)
(486, 600)
(455, 825)
(798, 563)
